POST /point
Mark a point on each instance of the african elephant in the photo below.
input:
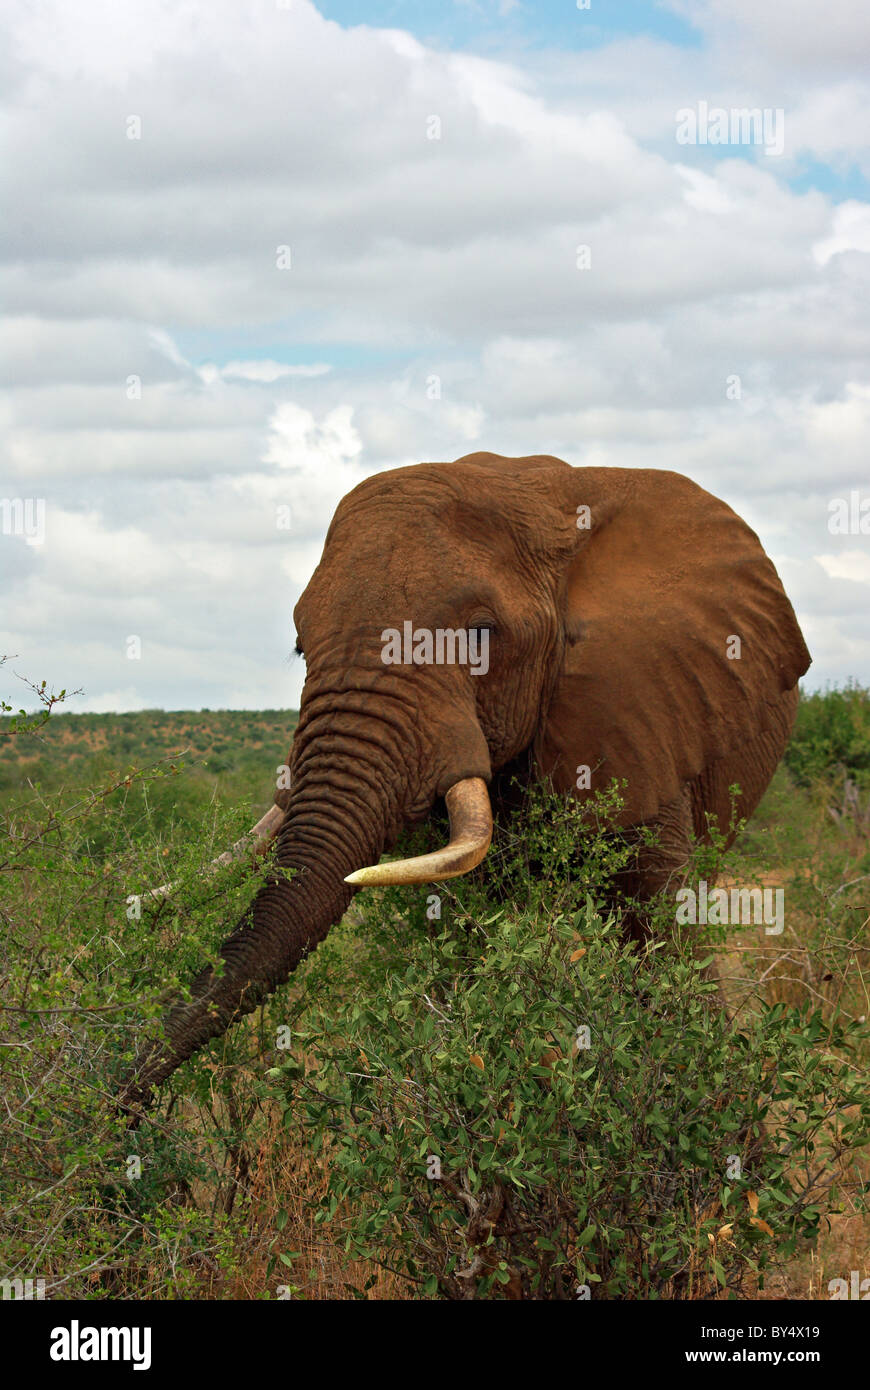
(632, 625)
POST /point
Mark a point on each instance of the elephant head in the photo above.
(616, 619)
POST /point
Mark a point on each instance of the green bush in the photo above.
(832, 731)
(608, 1167)
(87, 971)
(516, 1103)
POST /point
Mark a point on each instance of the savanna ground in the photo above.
(418, 1112)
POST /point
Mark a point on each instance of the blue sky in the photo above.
(485, 26)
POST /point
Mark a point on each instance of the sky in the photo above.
(254, 251)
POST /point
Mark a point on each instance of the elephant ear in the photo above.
(679, 638)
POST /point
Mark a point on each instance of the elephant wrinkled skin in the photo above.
(634, 626)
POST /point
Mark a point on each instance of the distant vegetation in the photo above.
(231, 755)
(295, 1154)
(832, 732)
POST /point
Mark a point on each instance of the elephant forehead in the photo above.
(481, 496)
(376, 586)
(390, 526)
(392, 552)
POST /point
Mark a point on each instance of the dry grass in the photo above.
(806, 964)
(285, 1176)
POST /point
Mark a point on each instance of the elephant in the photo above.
(633, 627)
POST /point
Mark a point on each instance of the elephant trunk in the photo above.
(335, 821)
(350, 795)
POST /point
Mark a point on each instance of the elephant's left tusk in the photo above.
(470, 835)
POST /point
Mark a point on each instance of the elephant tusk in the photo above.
(470, 836)
(257, 841)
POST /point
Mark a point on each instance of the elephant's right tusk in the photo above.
(257, 841)
(470, 836)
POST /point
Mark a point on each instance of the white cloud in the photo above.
(704, 192)
(413, 259)
(299, 443)
(839, 429)
(268, 371)
(805, 32)
(853, 565)
(850, 231)
(122, 701)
